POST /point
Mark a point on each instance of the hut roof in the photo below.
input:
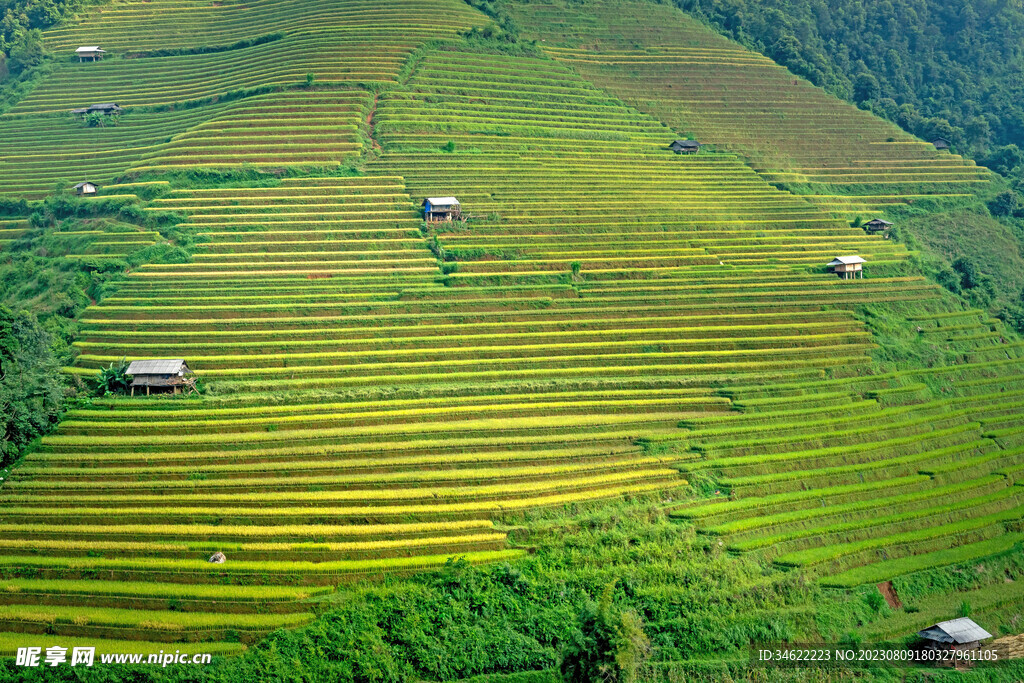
(106, 106)
(846, 260)
(685, 143)
(441, 201)
(878, 221)
(82, 184)
(156, 367)
(962, 630)
(90, 48)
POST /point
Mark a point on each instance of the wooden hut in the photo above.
(90, 53)
(107, 108)
(955, 634)
(941, 143)
(685, 146)
(173, 375)
(441, 209)
(877, 225)
(85, 188)
(847, 267)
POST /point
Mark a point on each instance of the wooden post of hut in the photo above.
(441, 209)
(847, 267)
(173, 374)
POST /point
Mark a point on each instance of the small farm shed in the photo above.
(877, 225)
(955, 634)
(86, 188)
(105, 108)
(90, 53)
(847, 267)
(441, 209)
(685, 146)
(941, 143)
(172, 374)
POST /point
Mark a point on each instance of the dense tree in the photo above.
(27, 51)
(866, 87)
(1005, 160)
(31, 393)
(1006, 204)
(934, 67)
(20, 41)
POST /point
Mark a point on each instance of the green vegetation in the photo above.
(935, 68)
(55, 261)
(618, 421)
(31, 394)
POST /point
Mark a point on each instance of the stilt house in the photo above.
(165, 375)
(441, 209)
(847, 267)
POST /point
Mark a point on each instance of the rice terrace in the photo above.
(511, 341)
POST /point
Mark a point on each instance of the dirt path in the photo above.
(889, 593)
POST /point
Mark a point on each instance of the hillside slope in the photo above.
(707, 87)
(612, 326)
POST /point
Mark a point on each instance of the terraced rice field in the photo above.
(292, 128)
(806, 479)
(43, 153)
(105, 241)
(432, 416)
(598, 187)
(12, 230)
(130, 26)
(706, 87)
(703, 232)
(342, 41)
(611, 319)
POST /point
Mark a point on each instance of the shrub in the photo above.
(1006, 204)
(609, 645)
(113, 379)
(875, 600)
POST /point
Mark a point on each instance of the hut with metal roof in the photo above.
(685, 146)
(106, 108)
(441, 209)
(85, 187)
(90, 53)
(847, 267)
(877, 225)
(955, 634)
(164, 374)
